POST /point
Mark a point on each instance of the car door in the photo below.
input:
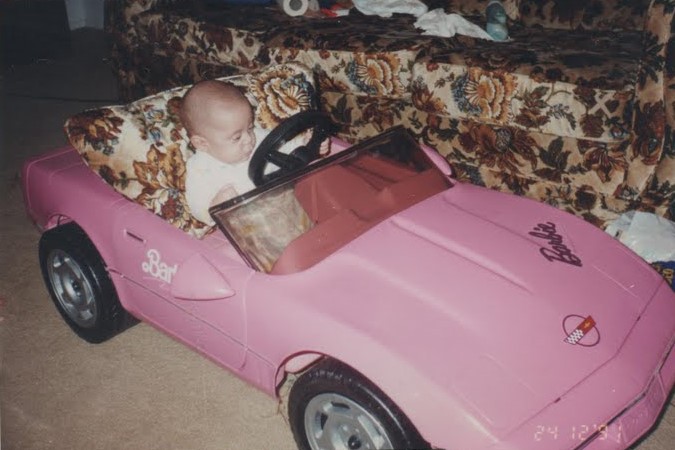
(191, 289)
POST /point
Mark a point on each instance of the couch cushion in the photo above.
(140, 148)
(567, 83)
(586, 14)
(205, 36)
(511, 154)
(385, 75)
(149, 73)
(359, 54)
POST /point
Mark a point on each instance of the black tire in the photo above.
(79, 284)
(330, 392)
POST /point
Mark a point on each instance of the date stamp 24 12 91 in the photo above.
(578, 433)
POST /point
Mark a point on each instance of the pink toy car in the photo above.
(416, 311)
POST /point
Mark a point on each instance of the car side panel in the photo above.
(316, 305)
(59, 186)
(150, 254)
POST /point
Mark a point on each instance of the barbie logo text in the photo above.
(556, 250)
(157, 269)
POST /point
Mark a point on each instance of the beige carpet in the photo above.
(141, 390)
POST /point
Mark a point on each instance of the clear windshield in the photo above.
(296, 221)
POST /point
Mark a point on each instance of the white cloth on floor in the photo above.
(438, 23)
(385, 8)
(650, 236)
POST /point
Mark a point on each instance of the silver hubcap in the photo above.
(73, 290)
(334, 422)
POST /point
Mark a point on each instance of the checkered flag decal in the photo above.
(580, 331)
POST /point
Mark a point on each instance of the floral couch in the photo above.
(576, 110)
(141, 148)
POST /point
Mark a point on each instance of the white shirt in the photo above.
(206, 176)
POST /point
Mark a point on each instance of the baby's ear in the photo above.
(199, 142)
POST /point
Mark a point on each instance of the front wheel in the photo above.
(79, 284)
(332, 407)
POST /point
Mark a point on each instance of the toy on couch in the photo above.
(315, 8)
(496, 17)
(298, 7)
(339, 8)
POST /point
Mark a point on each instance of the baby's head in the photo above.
(219, 121)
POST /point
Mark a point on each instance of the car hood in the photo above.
(481, 290)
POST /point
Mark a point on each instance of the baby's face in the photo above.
(229, 133)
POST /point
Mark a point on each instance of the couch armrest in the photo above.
(652, 153)
(119, 23)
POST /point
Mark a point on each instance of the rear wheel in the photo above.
(332, 407)
(79, 284)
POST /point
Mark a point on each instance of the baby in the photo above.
(219, 121)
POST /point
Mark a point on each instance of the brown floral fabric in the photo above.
(585, 14)
(144, 73)
(141, 148)
(120, 18)
(577, 109)
(578, 85)
(360, 117)
(281, 92)
(595, 59)
(369, 74)
(367, 55)
(208, 41)
(576, 175)
(653, 150)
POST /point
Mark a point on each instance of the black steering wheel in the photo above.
(268, 150)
